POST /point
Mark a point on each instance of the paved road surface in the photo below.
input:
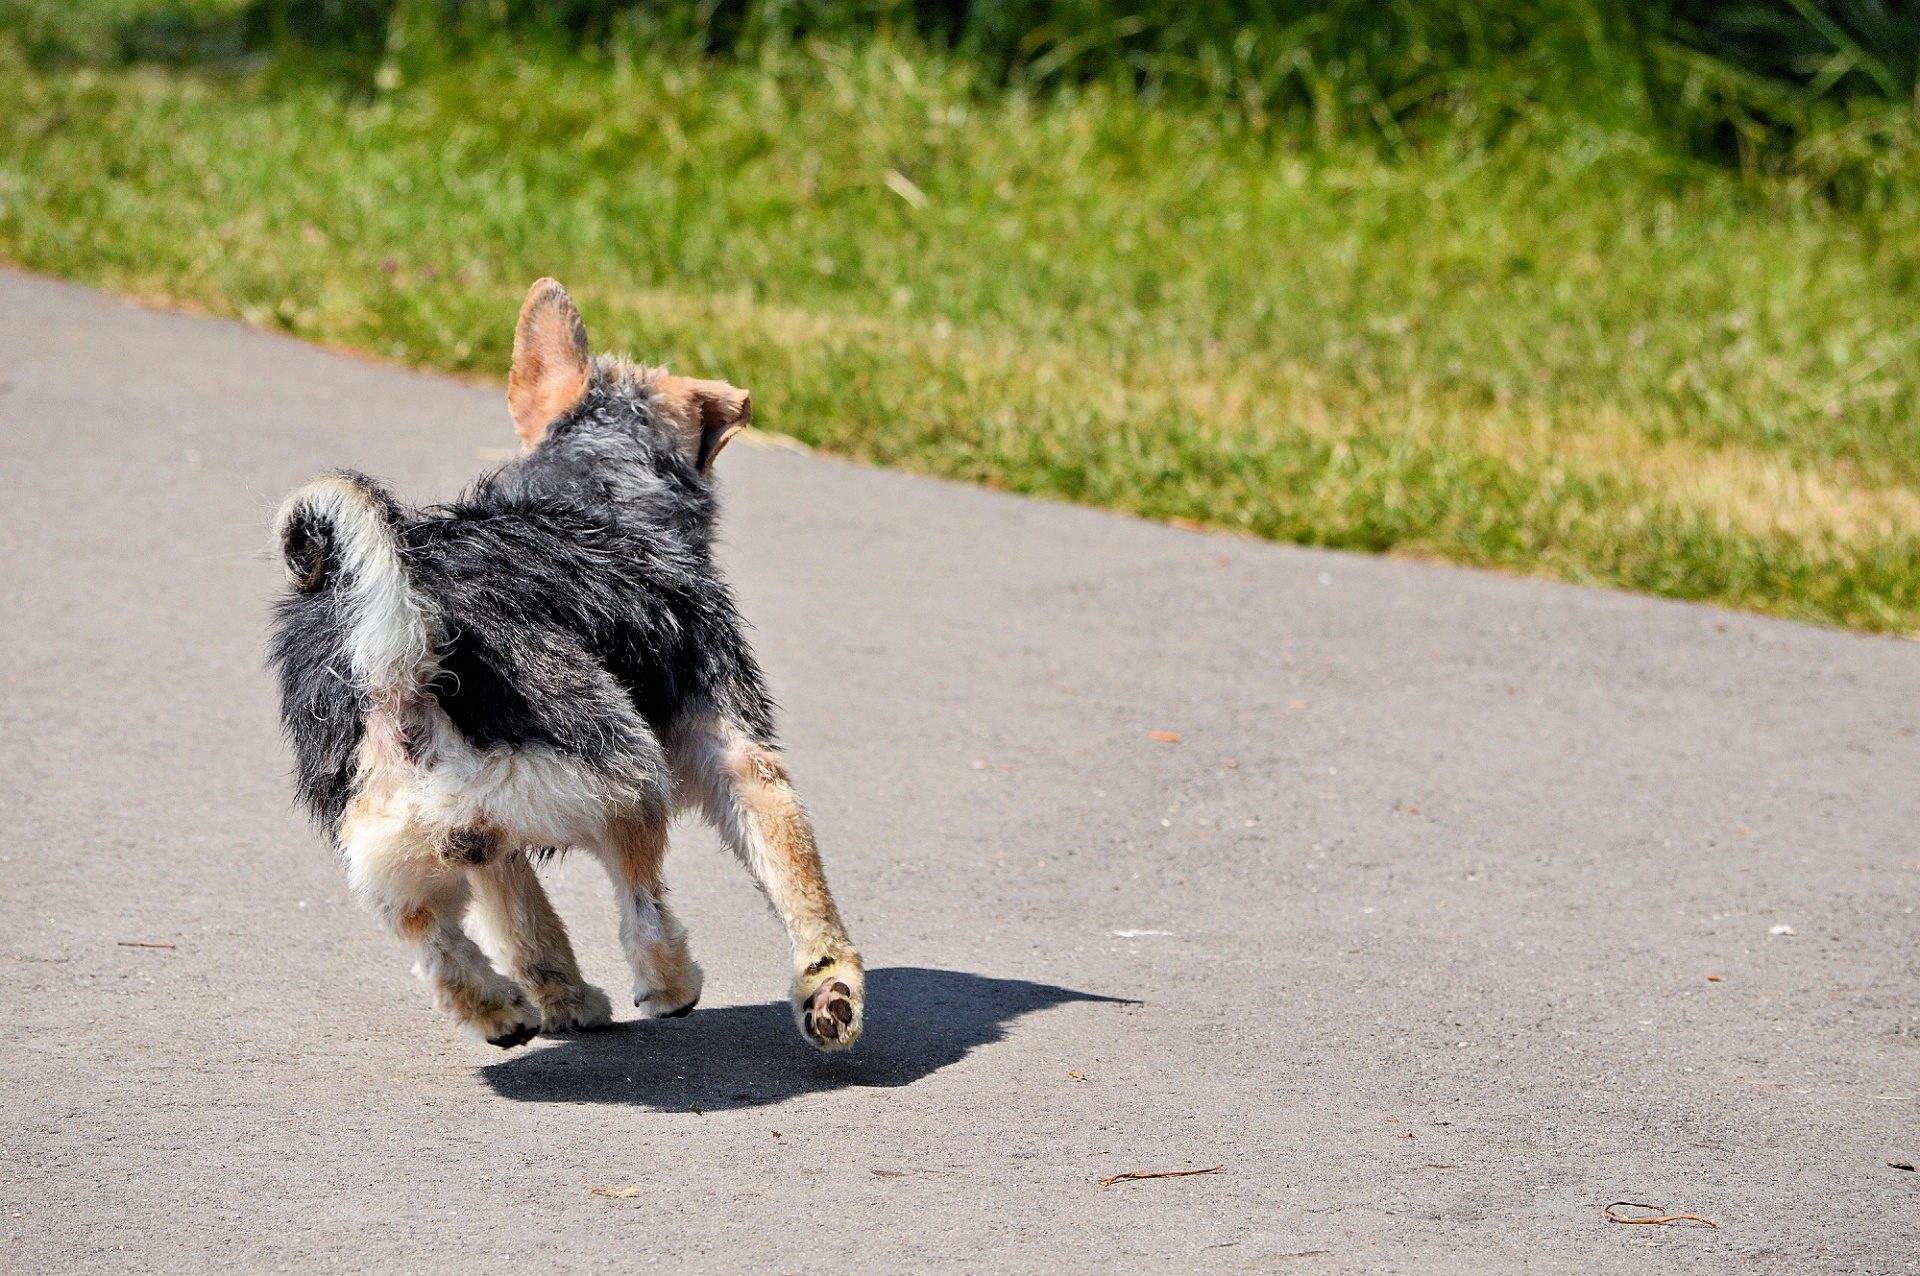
(1462, 906)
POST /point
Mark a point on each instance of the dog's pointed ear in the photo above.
(703, 415)
(725, 410)
(552, 366)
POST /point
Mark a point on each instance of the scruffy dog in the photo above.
(552, 661)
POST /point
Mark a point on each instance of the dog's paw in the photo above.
(678, 998)
(511, 1022)
(582, 1008)
(829, 1001)
(658, 1007)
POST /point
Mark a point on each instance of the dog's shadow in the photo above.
(917, 1022)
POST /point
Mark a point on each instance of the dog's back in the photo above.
(569, 600)
(605, 533)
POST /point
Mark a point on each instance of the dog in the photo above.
(553, 661)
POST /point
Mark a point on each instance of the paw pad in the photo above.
(828, 1016)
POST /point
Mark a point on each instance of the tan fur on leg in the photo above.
(744, 791)
(518, 925)
(464, 982)
(493, 1008)
(666, 979)
(396, 869)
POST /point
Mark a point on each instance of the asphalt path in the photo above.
(1460, 907)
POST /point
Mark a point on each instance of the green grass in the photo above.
(1559, 353)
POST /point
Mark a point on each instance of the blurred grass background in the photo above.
(1618, 293)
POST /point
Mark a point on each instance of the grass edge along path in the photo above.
(197, 192)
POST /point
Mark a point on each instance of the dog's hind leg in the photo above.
(744, 790)
(666, 979)
(404, 880)
(518, 925)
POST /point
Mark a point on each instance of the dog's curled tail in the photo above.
(341, 533)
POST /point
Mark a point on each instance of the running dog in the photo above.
(553, 661)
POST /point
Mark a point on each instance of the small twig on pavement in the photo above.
(140, 943)
(1158, 1174)
(1658, 1217)
(622, 1193)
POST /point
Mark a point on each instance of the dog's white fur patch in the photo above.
(666, 979)
(532, 794)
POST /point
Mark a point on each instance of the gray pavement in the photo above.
(1462, 906)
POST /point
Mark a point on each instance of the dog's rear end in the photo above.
(552, 662)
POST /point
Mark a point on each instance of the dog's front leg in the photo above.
(745, 792)
(406, 882)
(666, 979)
